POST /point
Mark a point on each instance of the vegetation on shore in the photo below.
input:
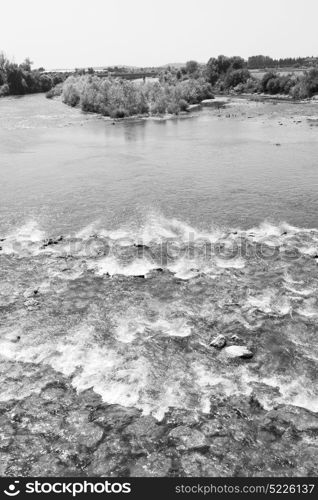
(230, 74)
(122, 98)
(19, 79)
(177, 86)
(263, 62)
(297, 87)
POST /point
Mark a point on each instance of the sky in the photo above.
(81, 33)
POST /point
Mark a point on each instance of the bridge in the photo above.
(128, 76)
(140, 75)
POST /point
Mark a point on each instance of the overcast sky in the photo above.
(76, 33)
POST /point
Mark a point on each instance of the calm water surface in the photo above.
(66, 169)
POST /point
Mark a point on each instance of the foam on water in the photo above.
(154, 351)
(270, 302)
(111, 266)
(26, 237)
(157, 229)
(295, 392)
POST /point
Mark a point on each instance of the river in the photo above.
(126, 246)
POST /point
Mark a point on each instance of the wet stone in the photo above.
(153, 465)
(185, 438)
(179, 416)
(6, 433)
(303, 420)
(198, 465)
(144, 434)
(114, 417)
(86, 433)
(31, 303)
(4, 462)
(219, 341)
(109, 457)
(237, 351)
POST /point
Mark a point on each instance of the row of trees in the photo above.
(232, 74)
(19, 79)
(263, 62)
(300, 87)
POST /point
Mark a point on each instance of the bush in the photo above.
(302, 87)
(120, 98)
(311, 81)
(183, 105)
(4, 90)
(55, 91)
(273, 83)
(235, 77)
(300, 90)
(251, 86)
(306, 86)
(21, 79)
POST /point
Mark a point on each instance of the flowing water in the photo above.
(125, 247)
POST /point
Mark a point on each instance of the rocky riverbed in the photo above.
(58, 432)
(211, 371)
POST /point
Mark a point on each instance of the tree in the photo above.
(3, 60)
(26, 65)
(192, 67)
(236, 76)
(266, 78)
(237, 62)
(212, 73)
(15, 80)
(223, 63)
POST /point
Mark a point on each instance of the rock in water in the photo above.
(219, 341)
(237, 351)
(31, 303)
(185, 438)
(235, 338)
(52, 241)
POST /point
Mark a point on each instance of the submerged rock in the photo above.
(301, 419)
(143, 434)
(153, 465)
(59, 432)
(235, 338)
(141, 246)
(237, 351)
(31, 303)
(87, 433)
(52, 241)
(109, 458)
(186, 438)
(114, 417)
